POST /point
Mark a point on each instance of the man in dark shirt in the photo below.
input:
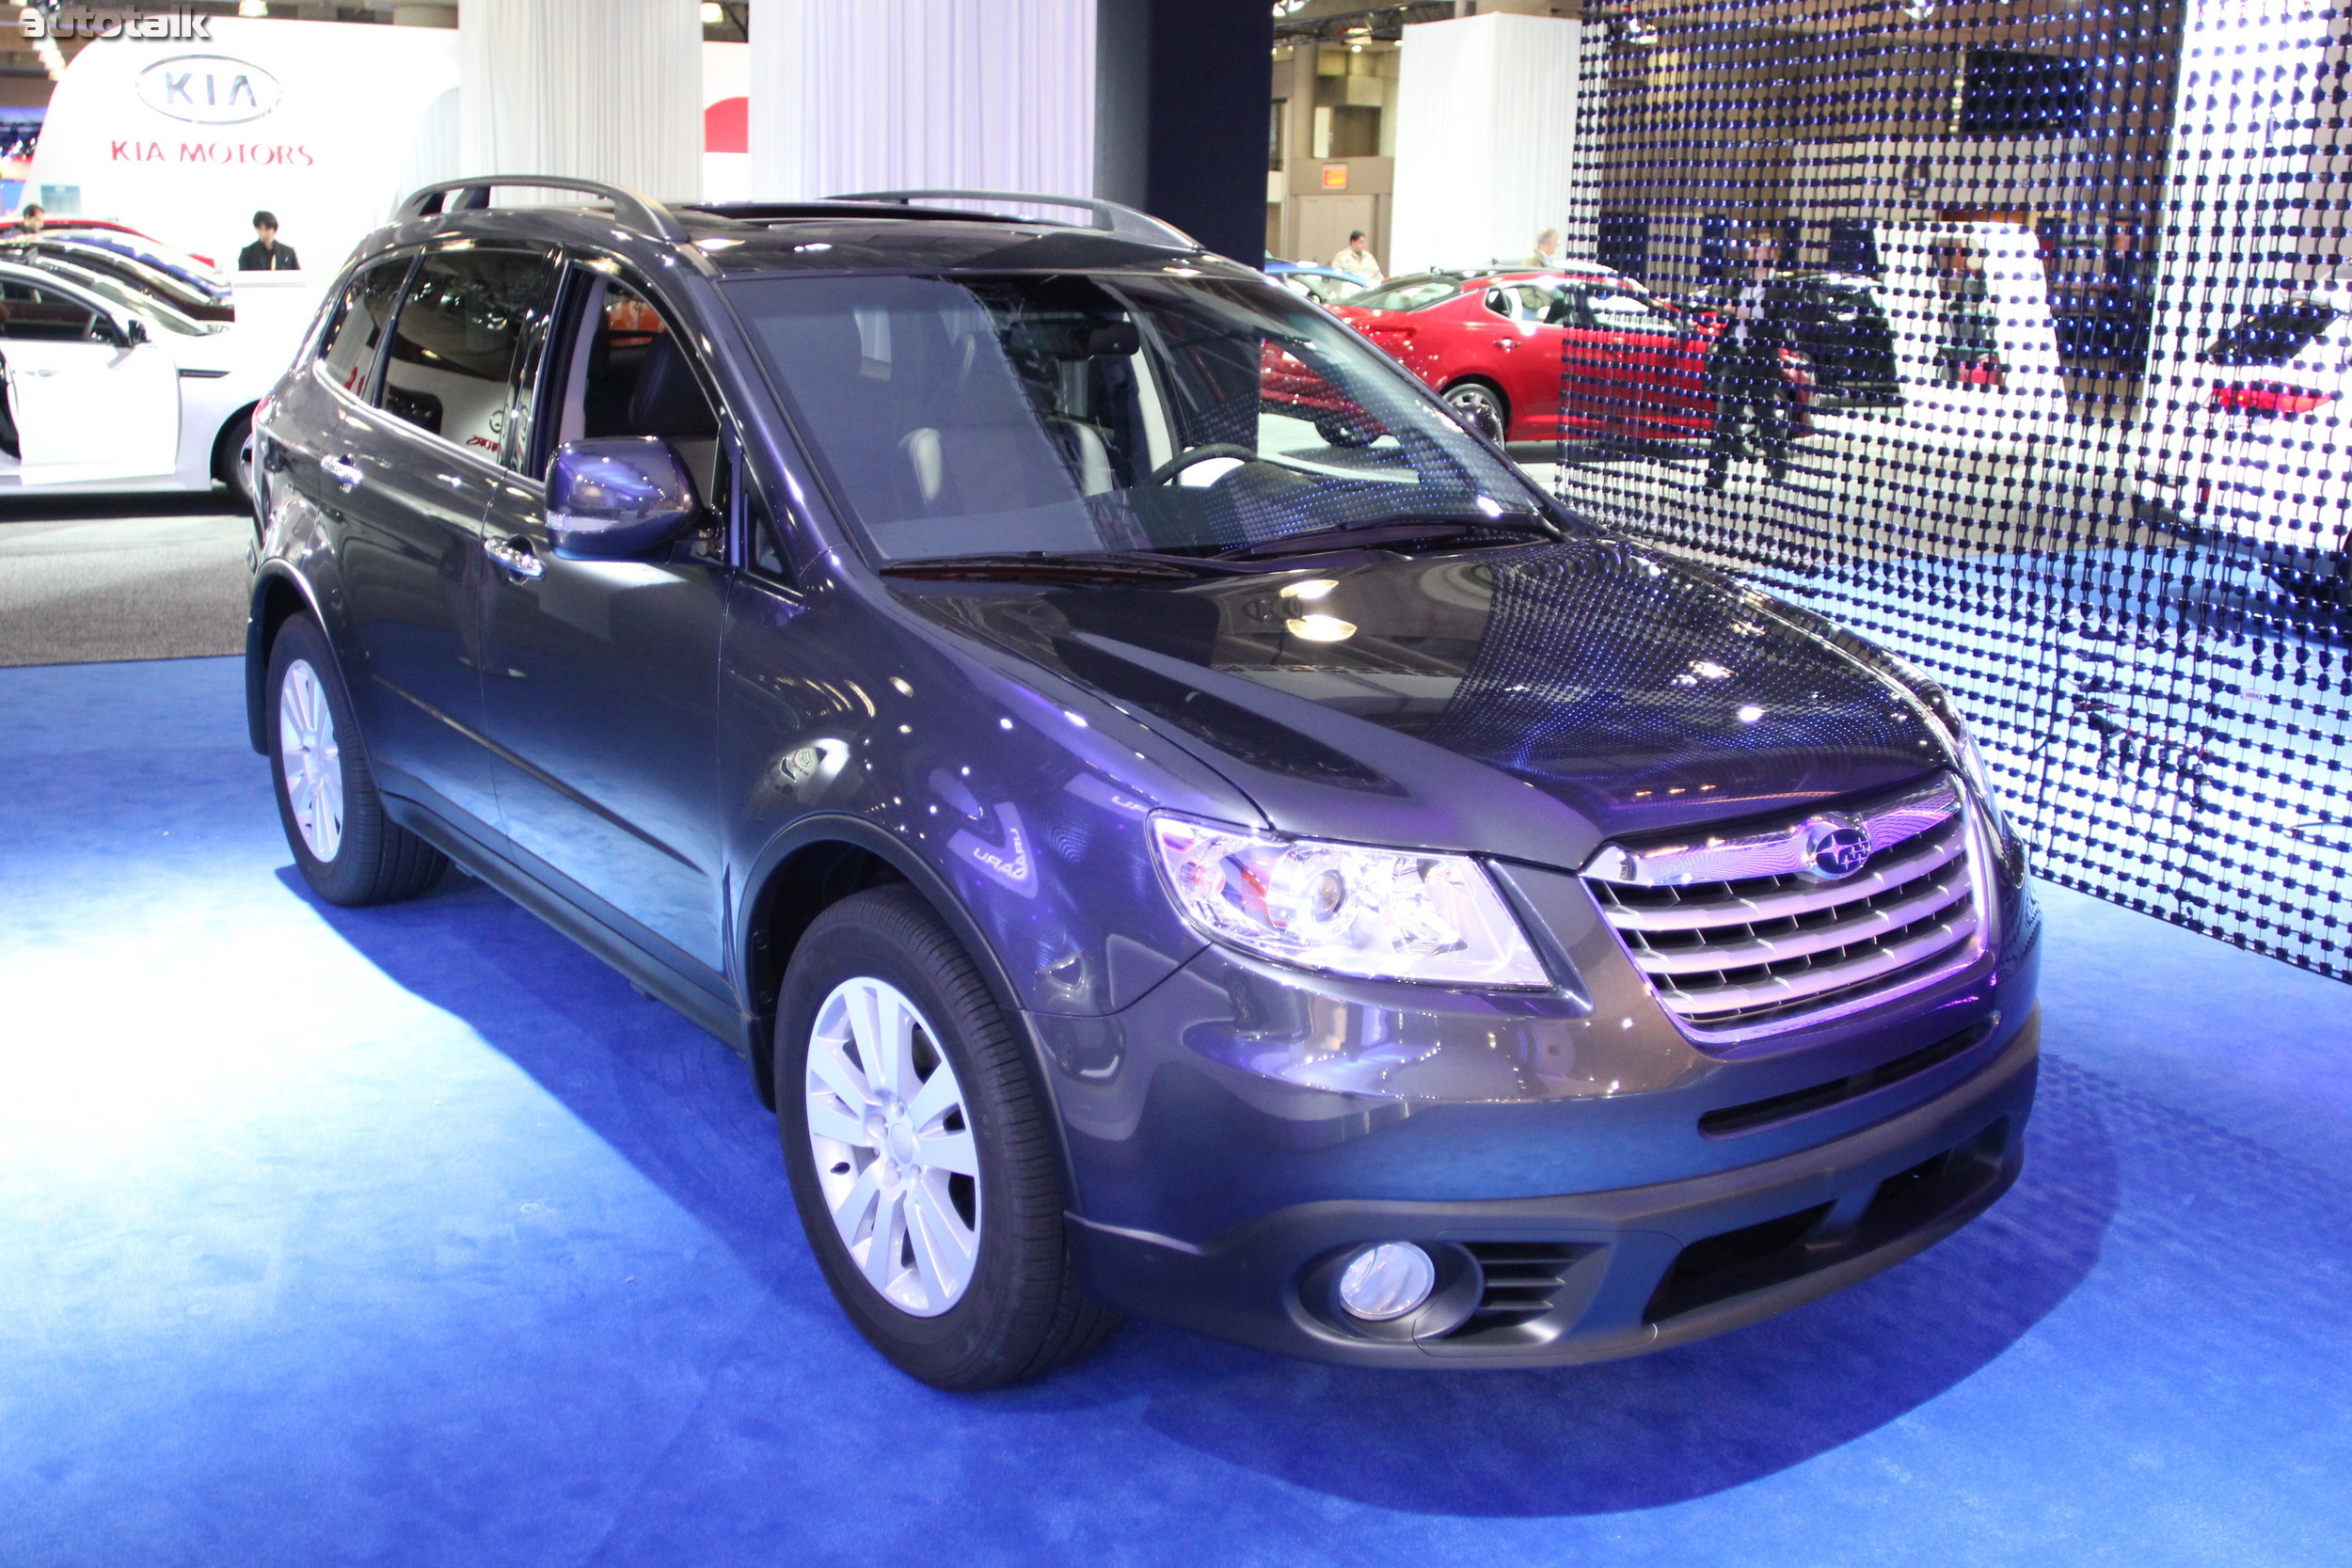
(265, 254)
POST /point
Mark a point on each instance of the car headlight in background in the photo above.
(1395, 914)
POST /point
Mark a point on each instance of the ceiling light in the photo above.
(714, 14)
(253, 8)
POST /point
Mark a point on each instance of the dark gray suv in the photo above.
(1176, 824)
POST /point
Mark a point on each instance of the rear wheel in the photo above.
(1481, 407)
(348, 849)
(921, 1160)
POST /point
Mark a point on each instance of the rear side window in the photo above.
(351, 343)
(43, 315)
(2272, 335)
(1407, 294)
(460, 334)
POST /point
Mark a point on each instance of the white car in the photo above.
(110, 389)
(2254, 453)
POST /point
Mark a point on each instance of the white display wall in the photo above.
(1485, 142)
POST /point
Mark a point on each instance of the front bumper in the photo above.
(1596, 1275)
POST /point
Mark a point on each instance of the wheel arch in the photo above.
(279, 593)
(816, 862)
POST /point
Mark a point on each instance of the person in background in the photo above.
(1744, 372)
(265, 254)
(33, 218)
(1547, 257)
(1357, 260)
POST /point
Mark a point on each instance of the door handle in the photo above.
(343, 471)
(28, 373)
(515, 557)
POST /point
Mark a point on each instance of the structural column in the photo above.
(597, 89)
(1157, 103)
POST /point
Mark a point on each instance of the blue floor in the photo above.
(413, 1236)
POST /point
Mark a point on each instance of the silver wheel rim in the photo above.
(1478, 405)
(313, 763)
(893, 1144)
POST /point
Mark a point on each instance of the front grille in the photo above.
(1752, 932)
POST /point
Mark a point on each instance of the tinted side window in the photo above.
(348, 350)
(627, 374)
(458, 339)
(43, 315)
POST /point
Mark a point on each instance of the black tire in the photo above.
(229, 458)
(1339, 432)
(1482, 406)
(373, 860)
(1023, 1312)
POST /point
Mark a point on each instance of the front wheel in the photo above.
(1481, 407)
(346, 849)
(922, 1161)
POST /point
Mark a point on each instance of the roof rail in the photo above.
(637, 212)
(1108, 216)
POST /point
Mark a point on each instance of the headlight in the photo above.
(1395, 914)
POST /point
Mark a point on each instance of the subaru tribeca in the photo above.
(1156, 858)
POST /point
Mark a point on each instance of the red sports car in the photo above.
(1530, 356)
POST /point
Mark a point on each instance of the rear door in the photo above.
(410, 480)
(86, 405)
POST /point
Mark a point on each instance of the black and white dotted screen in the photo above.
(2017, 337)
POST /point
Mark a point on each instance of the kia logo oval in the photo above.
(1835, 847)
(208, 90)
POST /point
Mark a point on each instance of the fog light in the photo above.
(1387, 1281)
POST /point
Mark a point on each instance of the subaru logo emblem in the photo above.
(1835, 847)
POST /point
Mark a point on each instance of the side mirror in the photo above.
(135, 330)
(617, 497)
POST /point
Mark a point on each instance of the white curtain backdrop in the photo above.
(1486, 154)
(600, 90)
(851, 95)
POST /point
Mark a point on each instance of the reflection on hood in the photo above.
(1643, 694)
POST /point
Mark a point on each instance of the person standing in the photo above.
(1357, 260)
(1743, 372)
(1547, 257)
(33, 219)
(265, 254)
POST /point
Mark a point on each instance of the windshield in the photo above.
(1407, 293)
(981, 415)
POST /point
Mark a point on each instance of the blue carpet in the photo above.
(413, 1236)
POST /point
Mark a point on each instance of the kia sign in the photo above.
(324, 123)
(208, 90)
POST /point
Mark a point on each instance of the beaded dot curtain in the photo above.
(2012, 336)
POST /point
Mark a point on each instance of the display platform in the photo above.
(413, 1235)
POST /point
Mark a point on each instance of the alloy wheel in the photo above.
(893, 1144)
(1479, 407)
(312, 760)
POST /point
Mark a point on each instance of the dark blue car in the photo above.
(1154, 860)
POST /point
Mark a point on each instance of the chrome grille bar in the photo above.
(1756, 933)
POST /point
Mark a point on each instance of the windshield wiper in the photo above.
(1049, 566)
(1374, 532)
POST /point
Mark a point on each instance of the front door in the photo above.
(86, 404)
(601, 684)
(1649, 367)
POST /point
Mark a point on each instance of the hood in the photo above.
(1638, 693)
